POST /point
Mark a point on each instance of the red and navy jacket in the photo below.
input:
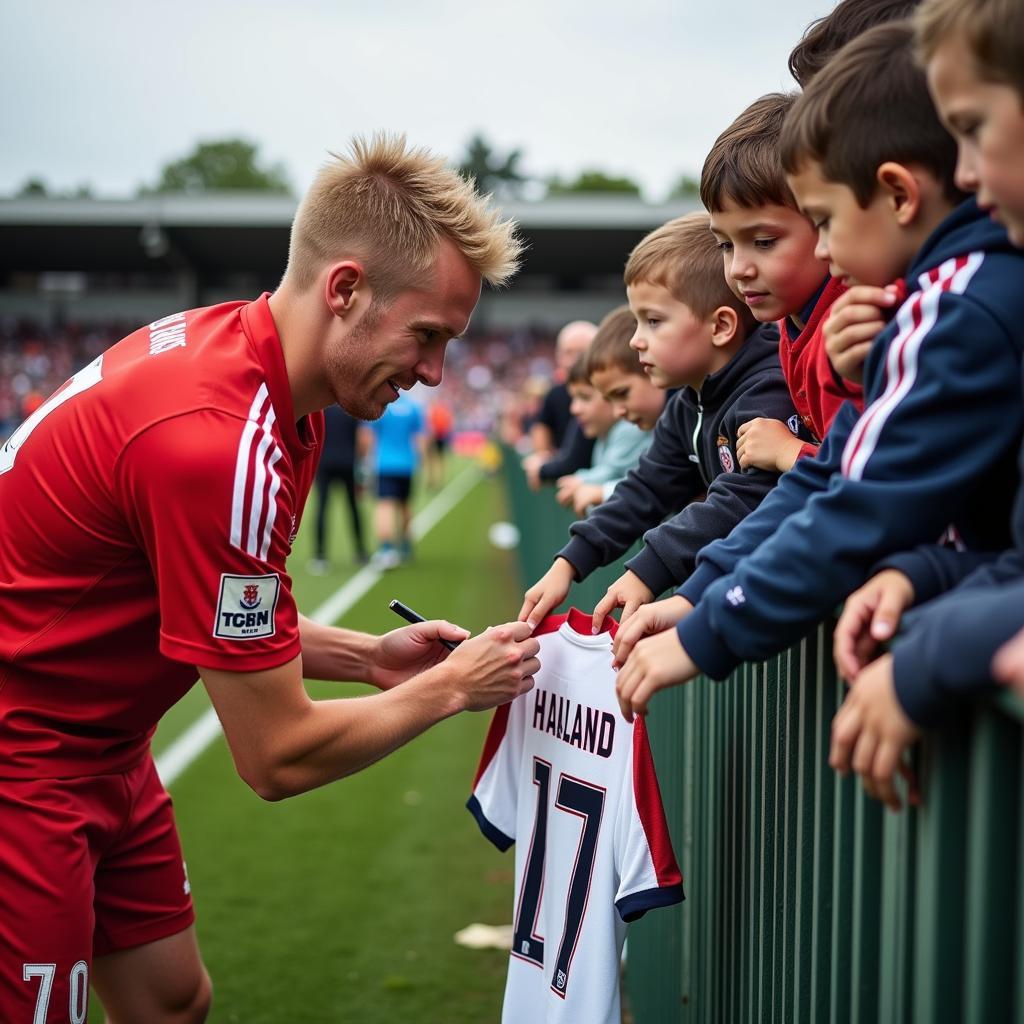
(818, 392)
(935, 447)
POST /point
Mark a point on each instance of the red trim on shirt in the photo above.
(579, 622)
(647, 796)
(495, 734)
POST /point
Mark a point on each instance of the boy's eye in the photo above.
(764, 243)
(651, 322)
(724, 246)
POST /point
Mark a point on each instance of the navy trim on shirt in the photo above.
(636, 904)
(496, 836)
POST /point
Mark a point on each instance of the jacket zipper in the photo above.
(696, 441)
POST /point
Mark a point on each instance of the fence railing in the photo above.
(806, 901)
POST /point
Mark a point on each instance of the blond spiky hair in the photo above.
(390, 205)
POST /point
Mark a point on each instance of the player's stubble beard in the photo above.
(353, 366)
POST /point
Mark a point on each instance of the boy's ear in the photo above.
(725, 321)
(901, 189)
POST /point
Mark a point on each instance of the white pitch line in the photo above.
(198, 736)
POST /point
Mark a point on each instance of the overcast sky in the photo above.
(104, 92)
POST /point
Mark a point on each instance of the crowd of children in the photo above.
(848, 415)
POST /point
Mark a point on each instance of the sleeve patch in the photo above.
(246, 607)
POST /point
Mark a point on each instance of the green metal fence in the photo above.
(807, 902)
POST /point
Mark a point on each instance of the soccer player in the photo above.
(149, 507)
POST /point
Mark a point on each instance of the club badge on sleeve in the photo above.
(725, 454)
(246, 607)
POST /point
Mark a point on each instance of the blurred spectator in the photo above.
(337, 465)
(441, 424)
(399, 436)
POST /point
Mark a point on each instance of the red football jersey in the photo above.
(148, 508)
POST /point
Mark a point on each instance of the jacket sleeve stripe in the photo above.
(915, 321)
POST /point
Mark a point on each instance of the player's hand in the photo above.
(656, 663)
(645, 621)
(565, 488)
(495, 667)
(870, 734)
(1008, 664)
(628, 592)
(547, 593)
(853, 322)
(871, 616)
(587, 495)
(409, 650)
(769, 444)
(531, 468)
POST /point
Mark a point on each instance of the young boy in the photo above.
(974, 55)
(872, 166)
(616, 371)
(770, 262)
(692, 333)
(617, 444)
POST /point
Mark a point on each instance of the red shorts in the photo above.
(88, 866)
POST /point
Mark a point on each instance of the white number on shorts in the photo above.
(82, 381)
(46, 973)
(78, 998)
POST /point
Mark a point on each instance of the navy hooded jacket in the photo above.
(944, 651)
(935, 447)
(692, 452)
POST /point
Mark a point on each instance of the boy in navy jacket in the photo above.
(975, 55)
(936, 444)
(694, 334)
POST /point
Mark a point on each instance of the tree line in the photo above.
(235, 164)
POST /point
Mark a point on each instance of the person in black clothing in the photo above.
(559, 447)
(337, 463)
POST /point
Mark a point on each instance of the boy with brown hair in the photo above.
(973, 52)
(692, 333)
(872, 166)
(769, 250)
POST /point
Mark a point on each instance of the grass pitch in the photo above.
(340, 905)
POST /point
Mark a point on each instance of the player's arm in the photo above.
(344, 655)
(283, 743)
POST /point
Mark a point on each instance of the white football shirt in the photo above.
(564, 774)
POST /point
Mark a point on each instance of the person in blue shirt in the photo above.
(399, 440)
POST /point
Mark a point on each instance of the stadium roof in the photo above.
(213, 234)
